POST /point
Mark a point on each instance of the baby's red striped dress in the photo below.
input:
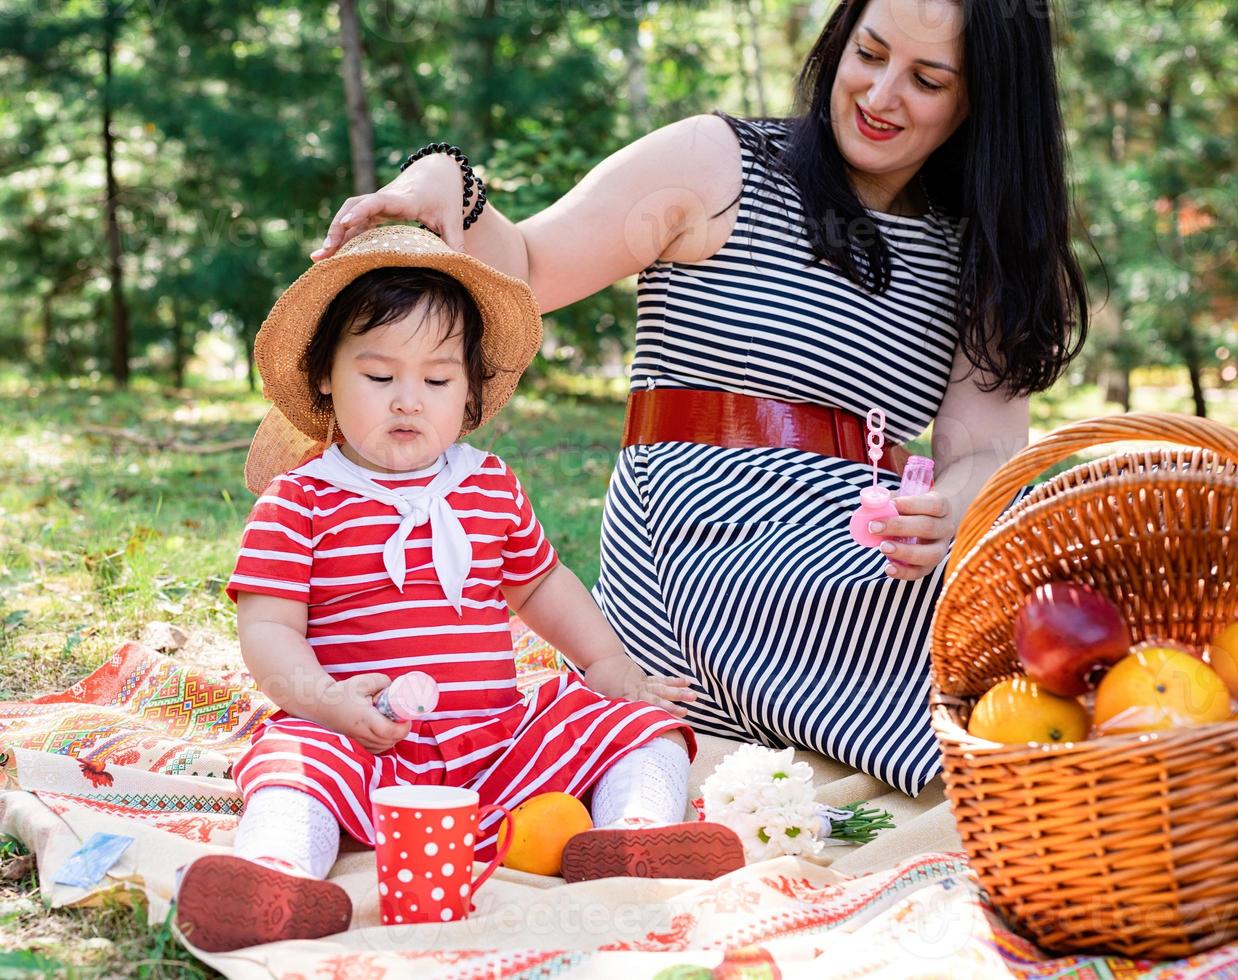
(312, 542)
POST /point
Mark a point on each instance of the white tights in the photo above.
(284, 826)
(647, 786)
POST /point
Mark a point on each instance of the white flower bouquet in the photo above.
(767, 798)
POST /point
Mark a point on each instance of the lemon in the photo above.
(1020, 710)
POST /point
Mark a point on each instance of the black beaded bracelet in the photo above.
(466, 171)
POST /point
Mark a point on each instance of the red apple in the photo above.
(1067, 635)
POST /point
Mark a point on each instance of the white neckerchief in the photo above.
(449, 545)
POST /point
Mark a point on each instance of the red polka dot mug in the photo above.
(424, 840)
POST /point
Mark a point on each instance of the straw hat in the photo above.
(293, 429)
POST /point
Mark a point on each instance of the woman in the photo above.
(902, 243)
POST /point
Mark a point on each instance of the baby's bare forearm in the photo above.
(285, 669)
(563, 613)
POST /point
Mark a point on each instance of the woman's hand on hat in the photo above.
(925, 517)
(429, 191)
(618, 676)
(348, 708)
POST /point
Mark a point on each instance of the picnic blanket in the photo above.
(144, 745)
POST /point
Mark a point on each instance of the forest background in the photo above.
(166, 168)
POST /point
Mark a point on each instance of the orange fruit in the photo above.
(1223, 656)
(541, 826)
(1020, 710)
(1159, 687)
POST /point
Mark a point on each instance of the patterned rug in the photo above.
(144, 745)
(149, 712)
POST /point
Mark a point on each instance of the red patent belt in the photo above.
(724, 418)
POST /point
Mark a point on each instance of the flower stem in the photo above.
(862, 827)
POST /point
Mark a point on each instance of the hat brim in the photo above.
(278, 446)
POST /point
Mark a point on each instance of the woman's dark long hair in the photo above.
(1022, 303)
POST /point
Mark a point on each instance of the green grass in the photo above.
(101, 535)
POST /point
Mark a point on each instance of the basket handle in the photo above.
(1032, 460)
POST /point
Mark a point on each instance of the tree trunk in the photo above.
(637, 76)
(754, 38)
(178, 344)
(1117, 135)
(409, 103)
(797, 16)
(1186, 344)
(49, 323)
(1197, 387)
(251, 372)
(745, 79)
(489, 47)
(360, 127)
(120, 313)
(1189, 349)
(1117, 385)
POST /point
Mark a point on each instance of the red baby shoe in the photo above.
(678, 850)
(226, 903)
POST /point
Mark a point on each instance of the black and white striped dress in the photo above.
(735, 566)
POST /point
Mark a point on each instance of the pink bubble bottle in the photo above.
(917, 479)
(409, 696)
(876, 502)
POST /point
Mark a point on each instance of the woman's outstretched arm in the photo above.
(659, 197)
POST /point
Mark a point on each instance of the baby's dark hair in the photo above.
(385, 295)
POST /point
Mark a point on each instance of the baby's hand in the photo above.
(348, 708)
(619, 677)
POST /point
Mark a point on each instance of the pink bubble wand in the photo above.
(877, 502)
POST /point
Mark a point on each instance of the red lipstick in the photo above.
(870, 131)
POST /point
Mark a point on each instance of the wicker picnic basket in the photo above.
(1125, 843)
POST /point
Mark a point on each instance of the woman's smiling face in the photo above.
(899, 93)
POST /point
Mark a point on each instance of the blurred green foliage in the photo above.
(230, 131)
